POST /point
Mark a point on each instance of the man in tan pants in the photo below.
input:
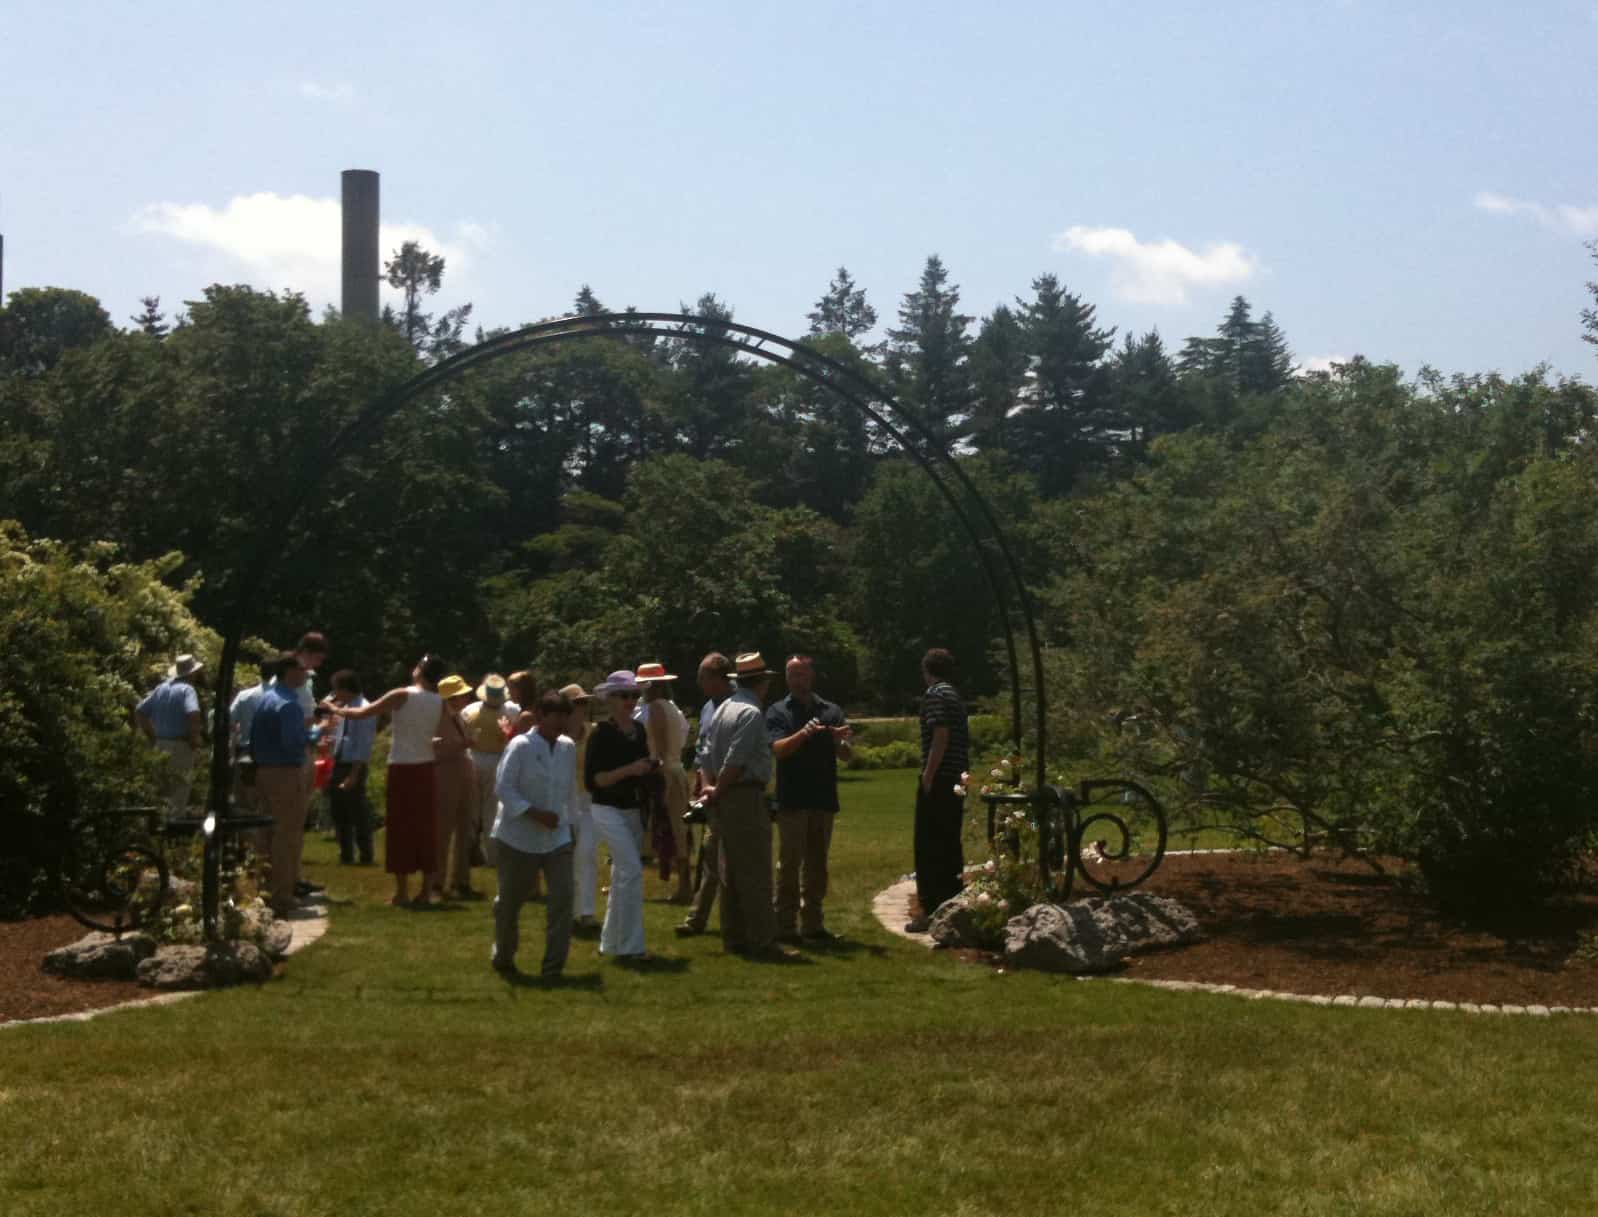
(278, 739)
(808, 736)
(740, 756)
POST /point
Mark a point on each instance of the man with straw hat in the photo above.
(170, 718)
(740, 757)
(484, 720)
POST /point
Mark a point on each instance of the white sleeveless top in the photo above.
(414, 725)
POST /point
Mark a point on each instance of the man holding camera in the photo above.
(740, 757)
(808, 735)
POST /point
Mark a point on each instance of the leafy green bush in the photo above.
(1377, 620)
(82, 638)
(895, 754)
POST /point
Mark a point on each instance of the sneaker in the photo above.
(688, 929)
(919, 926)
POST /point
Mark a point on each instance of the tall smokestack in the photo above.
(360, 243)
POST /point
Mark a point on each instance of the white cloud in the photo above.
(1159, 272)
(293, 241)
(1321, 363)
(311, 90)
(1561, 218)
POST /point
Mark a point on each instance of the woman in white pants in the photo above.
(617, 759)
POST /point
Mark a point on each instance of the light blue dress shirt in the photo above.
(738, 737)
(168, 707)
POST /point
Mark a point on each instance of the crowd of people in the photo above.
(530, 783)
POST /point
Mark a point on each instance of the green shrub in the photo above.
(82, 638)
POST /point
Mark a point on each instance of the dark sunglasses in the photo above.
(626, 696)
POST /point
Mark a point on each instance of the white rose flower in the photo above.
(989, 867)
(984, 899)
(960, 790)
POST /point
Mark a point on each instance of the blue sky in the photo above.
(1409, 181)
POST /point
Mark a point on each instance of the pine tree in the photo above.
(1148, 393)
(927, 355)
(999, 366)
(1069, 423)
(843, 310)
(152, 320)
(587, 304)
(417, 273)
(1268, 365)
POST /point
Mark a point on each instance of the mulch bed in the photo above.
(1321, 926)
(27, 991)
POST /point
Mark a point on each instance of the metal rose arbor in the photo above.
(1063, 817)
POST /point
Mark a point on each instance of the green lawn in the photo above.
(391, 1072)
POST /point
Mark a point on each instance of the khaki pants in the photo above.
(677, 787)
(282, 792)
(518, 871)
(804, 838)
(179, 775)
(709, 873)
(485, 807)
(748, 921)
(457, 827)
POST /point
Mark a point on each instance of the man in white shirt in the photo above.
(241, 716)
(537, 788)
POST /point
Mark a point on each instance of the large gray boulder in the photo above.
(205, 967)
(100, 957)
(1095, 935)
(954, 923)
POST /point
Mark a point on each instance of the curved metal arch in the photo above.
(852, 385)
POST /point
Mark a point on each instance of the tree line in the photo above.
(1354, 607)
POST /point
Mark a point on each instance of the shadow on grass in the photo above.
(843, 948)
(661, 965)
(526, 980)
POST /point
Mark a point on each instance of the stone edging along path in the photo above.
(306, 927)
(892, 909)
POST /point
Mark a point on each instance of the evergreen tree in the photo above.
(843, 310)
(416, 273)
(927, 355)
(587, 304)
(152, 320)
(999, 367)
(1268, 364)
(1149, 396)
(1069, 423)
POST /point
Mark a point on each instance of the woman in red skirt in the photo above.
(410, 840)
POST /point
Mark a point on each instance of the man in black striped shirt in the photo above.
(945, 754)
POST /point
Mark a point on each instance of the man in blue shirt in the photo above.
(346, 791)
(170, 718)
(808, 737)
(278, 740)
(241, 717)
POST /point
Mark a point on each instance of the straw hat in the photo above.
(453, 686)
(653, 673)
(184, 666)
(750, 665)
(574, 692)
(492, 691)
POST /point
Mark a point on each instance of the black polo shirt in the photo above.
(807, 780)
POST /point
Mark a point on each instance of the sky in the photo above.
(1412, 182)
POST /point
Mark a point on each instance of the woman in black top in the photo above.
(618, 756)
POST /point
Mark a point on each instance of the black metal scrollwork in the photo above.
(1109, 831)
